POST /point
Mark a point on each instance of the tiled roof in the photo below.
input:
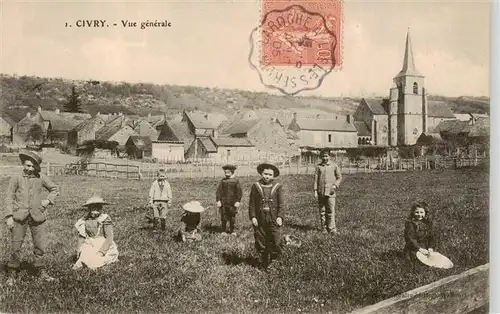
(203, 120)
(241, 126)
(180, 132)
(141, 142)
(111, 128)
(63, 121)
(209, 145)
(232, 141)
(362, 128)
(439, 109)
(481, 127)
(8, 119)
(88, 123)
(325, 125)
(377, 106)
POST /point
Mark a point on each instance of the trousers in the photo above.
(326, 206)
(160, 209)
(267, 237)
(228, 214)
(39, 236)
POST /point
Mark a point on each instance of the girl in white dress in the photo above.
(96, 246)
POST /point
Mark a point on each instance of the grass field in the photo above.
(337, 274)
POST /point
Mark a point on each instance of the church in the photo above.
(407, 113)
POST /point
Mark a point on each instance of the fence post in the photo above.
(48, 169)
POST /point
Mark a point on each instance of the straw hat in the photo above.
(95, 200)
(229, 167)
(292, 240)
(34, 157)
(193, 207)
(435, 259)
(261, 167)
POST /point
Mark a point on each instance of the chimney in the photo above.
(57, 111)
(295, 115)
(28, 114)
(39, 109)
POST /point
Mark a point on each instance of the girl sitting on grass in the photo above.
(96, 246)
(419, 236)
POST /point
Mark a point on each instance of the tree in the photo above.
(74, 103)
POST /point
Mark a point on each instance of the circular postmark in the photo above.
(293, 49)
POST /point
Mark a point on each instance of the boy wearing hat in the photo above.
(265, 210)
(26, 206)
(327, 178)
(160, 199)
(190, 221)
(228, 198)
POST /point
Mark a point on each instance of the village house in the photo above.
(116, 130)
(201, 123)
(138, 147)
(142, 127)
(222, 149)
(86, 130)
(402, 118)
(175, 132)
(315, 134)
(461, 134)
(168, 151)
(6, 128)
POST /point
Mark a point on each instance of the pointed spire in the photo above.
(408, 62)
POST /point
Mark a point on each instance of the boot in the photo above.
(163, 224)
(156, 222)
(42, 274)
(12, 274)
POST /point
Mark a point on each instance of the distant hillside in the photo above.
(21, 94)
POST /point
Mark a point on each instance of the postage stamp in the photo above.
(297, 43)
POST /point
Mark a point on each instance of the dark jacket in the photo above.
(24, 196)
(229, 191)
(276, 201)
(418, 234)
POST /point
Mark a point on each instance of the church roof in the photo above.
(362, 128)
(376, 105)
(325, 125)
(409, 68)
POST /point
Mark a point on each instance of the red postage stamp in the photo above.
(306, 32)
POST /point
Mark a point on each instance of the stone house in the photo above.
(6, 128)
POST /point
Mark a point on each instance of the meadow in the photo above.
(337, 274)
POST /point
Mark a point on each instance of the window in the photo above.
(415, 88)
(360, 141)
(229, 152)
(329, 138)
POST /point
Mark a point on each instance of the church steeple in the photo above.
(409, 68)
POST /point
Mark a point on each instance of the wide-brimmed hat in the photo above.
(435, 259)
(292, 240)
(34, 157)
(162, 174)
(193, 207)
(261, 167)
(95, 200)
(229, 167)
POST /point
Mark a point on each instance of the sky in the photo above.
(208, 44)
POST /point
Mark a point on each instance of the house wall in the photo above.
(382, 130)
(229, 153)
(19, 132)
(168, 151)
(5, 132)
(432, 122)
(327, 139)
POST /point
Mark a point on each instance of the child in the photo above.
(228, 198)
(418, 232)
(265, 210)
(160, 198)
(96, 246)
(190, 221)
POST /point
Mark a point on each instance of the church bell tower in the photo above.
(411, 100)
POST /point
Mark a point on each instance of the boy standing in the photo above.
(265, 210)
(327, 178)
(160, 198)
(27, 207)
(228, 198)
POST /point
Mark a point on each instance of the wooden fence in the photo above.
(462, 293)
(147, 171)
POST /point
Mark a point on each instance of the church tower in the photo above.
(411, 100)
